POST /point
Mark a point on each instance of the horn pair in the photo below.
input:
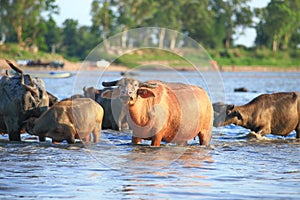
(142, 84)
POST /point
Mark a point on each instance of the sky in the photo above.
(80, 10)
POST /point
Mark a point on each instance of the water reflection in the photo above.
(159, 172)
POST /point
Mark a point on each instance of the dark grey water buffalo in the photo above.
(277, 114)
(114, 113)
(22, 97)
(68, 120)
(160, 111)
(52, 99)
(219, 109)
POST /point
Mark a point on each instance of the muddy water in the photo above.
(233, 167)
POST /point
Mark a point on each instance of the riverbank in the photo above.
(75, 66)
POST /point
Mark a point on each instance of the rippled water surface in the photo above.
(233, 167)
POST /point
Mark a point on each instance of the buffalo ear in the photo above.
(110, 94)
(145, 93)
(97, 91)
(230, 107)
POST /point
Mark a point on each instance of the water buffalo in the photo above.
(52, 99)
(22, 97)
(114, 113)
(74, 96)
(219, 108)
(277, 114)
(69, 119)
(161, 111)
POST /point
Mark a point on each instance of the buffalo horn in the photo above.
(31, 81)
(148, 85)
(230, 107)
(108, 84)
(31, 89)
(17, 69)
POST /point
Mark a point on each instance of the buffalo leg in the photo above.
(136, 140)
(156, 140)
(42, 138)
(204, 137)
(69, 133)
(255, 135)
(120, 120)
(71, 140)
(96, 134)
(12, 129)
(264, 130)
(298, 131)
(14, 136)
(86, 138)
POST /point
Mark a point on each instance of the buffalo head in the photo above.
(90, 92)
(230, 115)
(128, 90)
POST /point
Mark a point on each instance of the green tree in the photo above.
(132, 14)
(232, 14)
(103, 19)
(70, 38)
(77, 42)
(167, 15)
(294, 23)
(53, 36)
(86, 42)
(34, 35)
(278, 22)
(19, 14)
(197, 21)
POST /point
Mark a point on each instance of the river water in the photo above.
(232, 167)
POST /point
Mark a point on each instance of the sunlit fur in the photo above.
(170, 112)
(277, 114)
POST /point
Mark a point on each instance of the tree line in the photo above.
(213, 23)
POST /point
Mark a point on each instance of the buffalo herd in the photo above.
(154, 110)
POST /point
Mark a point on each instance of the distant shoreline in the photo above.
(75, 66)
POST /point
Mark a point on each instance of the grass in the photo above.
(232, 57)
(257, 57)
(12, 51)
(145, 56)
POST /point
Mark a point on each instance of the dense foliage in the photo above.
(213, 23)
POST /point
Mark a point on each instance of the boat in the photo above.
(51, 74)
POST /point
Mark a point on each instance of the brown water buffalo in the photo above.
(160, 111)
(69, 119)
(21, 97)
(276, 114)
(114, 113)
